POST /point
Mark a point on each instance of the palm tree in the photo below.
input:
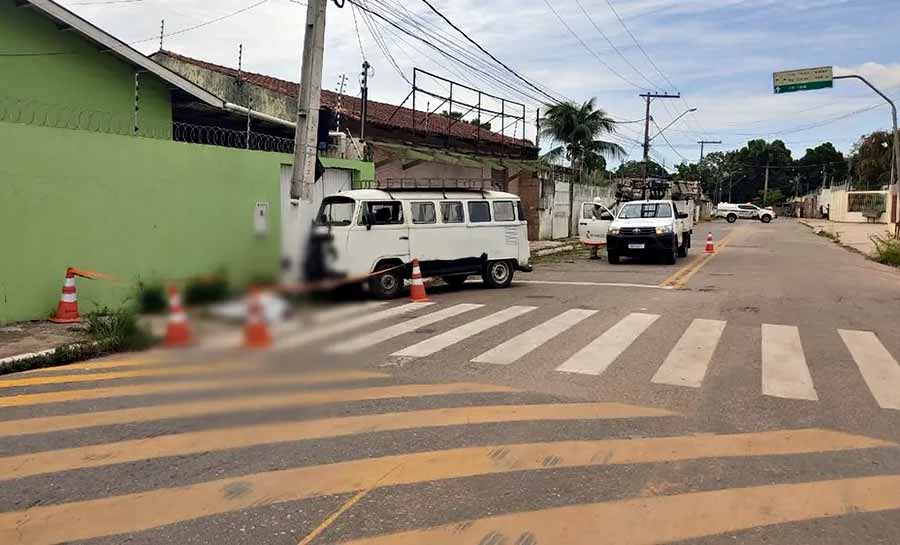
(577, 129)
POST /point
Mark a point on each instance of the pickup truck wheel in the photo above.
(731, 218)
(672, 256)
(765, 218)
(388, 284)
(685, 244)
(497, 274)
(613, 258)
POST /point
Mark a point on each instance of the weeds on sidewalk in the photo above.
(887, 249)
(151, 298)
(206, 289)
(110, 331)
(833, 236)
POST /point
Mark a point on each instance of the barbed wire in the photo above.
(30, 111)
(230, 138)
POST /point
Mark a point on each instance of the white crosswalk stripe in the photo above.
(342, 326)
(879, 369)
(371, 339)
(597, 356)
(524, 343)
(344, 311)
(784, 370)
(444, 340)
(687, 363)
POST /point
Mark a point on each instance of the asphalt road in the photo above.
(751, 396)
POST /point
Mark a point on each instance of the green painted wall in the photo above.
(361, 171)
(82, 86)
(131, 207)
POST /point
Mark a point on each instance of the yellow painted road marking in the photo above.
(105, 364)
(132, 390)
(115, 375)
(666, 519)
(234, 404)
(680, 277)
(53, 524)
(25, 465)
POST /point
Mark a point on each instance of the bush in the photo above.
(117, 330)
(202, 290)
(151, 298)
(887, 249)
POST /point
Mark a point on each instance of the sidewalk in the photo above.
(855, 235)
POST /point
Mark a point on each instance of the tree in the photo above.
(871, 158)
(635, 169)
(577, 130)
(459, 117)
(820, 163)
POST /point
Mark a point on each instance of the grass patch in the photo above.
(887, 249)
(151, 298)
(110, 332)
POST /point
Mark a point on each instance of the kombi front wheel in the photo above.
(388, 284)
(498, 274)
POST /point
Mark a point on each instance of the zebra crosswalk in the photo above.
(784, 369)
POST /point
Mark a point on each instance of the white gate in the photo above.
(560, 228)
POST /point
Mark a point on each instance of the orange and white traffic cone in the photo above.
(178, 330)
(710, 249)
(67, 308)
(256, 332)
(417, 287)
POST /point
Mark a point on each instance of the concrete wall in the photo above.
(840, 200)
(131, 207)
(93, 87)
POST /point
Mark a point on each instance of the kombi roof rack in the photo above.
(471, 184)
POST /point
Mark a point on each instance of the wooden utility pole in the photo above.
(704, 142)
(308, 102)
(649, 97)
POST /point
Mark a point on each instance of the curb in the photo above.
(554, 250)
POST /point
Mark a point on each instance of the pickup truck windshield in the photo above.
(336, 211)
(646, 210)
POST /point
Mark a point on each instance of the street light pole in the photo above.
(895, 164)
(649, 97)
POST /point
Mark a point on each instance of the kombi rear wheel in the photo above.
(498, 274)
(388, 284)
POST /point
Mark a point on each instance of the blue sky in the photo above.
(720, 54)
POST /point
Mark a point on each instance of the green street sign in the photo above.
(807, 79)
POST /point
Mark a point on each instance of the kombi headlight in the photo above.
(664, 229)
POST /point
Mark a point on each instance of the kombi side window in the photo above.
(383, 213)
(423, 212)
(335, 211)
(452, 212)
(504, 211)
(520, 210)
(479, 211)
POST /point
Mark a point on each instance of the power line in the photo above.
(203, 24)
(362, 52)
(486, 52)
(371, 24)
(660, 133)
(588, 48)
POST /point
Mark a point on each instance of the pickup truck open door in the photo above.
(592, 230)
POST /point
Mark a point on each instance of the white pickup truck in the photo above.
(661, 227)
(734, 212)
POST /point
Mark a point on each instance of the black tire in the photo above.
(731, 218)
(765, 218)
(456, 281)
(497, 274)
(612, 257)
(671, 256)
(387, 285)
(685, 244)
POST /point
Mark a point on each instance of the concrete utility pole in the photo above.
(895, 164)
(537, 126)
(704, 142)
(308, 102)
(766, 185)
(364, 94)
(649, 97)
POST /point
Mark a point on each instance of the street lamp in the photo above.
(682, 114)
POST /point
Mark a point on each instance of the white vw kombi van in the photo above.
(452, 233)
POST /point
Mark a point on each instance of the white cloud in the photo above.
(883, 76)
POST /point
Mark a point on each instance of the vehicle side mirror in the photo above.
(606, 216)
(682, 215)
(369, 220)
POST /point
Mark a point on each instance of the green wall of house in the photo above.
(136, 208)
(62, 79)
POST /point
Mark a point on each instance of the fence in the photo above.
(60, 116)
(230, 138)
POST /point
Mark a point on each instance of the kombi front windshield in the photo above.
(645, 210)
(336, 211)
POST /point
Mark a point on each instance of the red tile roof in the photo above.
(380, 113)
